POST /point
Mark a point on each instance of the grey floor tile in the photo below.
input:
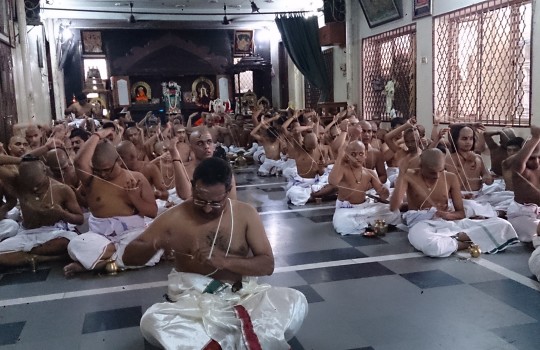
(58, 342)
(311, 295)
(10, 332)
(523, 336)
(322, 218)
(338, 273)
(514, 294)
(295, 344)
(361, 241)
(121, 339)
(283, 279)
(431, 279)
(322, 256)
(23, 277)
(112, 319)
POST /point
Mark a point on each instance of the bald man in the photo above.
(47, 207)
(354, 215)
(410, 148)
(202, 147)
(267, 136)
(434, 228)
(309, 176)
(118, 200)
(128, 153)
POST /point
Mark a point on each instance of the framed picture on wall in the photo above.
(421, 8)
(91, 42)
(243, 42)
(380, 11)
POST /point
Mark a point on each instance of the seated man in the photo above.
(217, 242)
(270, 141)
(524, 212)
(434, 228)
(128, 154)
(353, 214)
(410, 149)
(497, 152)
(118, 200)
(47, 207)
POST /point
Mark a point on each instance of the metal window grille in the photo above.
(244, 80)
(482, 63)
(312, 94)
(390, 55)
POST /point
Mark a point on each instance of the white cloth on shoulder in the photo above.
(434, 237)
(8, 228)
(27, 239)
(88, 248)
(352, 219)
(194, 318)
(525, 219)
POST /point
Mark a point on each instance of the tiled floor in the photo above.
(364, 293)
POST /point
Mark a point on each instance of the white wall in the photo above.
(424, 71)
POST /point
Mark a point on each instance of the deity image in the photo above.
(171, 96)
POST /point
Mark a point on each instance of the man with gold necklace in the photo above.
(355, 215)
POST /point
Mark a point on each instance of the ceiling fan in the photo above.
(225, 20)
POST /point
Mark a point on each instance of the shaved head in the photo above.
(431, 158)
(105, 154)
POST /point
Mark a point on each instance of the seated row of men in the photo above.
(105, 172)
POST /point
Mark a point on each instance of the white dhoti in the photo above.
(434, 237)
(352, 219)
(164, 205)
(88, 248)
(271, 167)
(300, 189)
(525, 219)
(474, 208)
(392, 173)
(256, 313)
(534, 263)
(25, 240)
(259, 155)
(8, 228)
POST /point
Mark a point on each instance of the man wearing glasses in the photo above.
(216, 242)
(118, 200)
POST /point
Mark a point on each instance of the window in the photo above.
(244, 80)
(390, 56)
(99, 63)
(482, 63)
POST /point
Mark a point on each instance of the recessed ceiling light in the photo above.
(180, 5)
(121, 4)
(235, 6)
(213, 1)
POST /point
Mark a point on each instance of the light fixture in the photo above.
(254, 7)
(131, 18)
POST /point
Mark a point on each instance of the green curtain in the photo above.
(300, 36)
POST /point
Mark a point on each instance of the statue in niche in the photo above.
(171, 96)
(389, 91)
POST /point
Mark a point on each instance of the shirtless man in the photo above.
(512, 147)
(497, 152)
(18, 146)
(271, 144)
(47, 206)
(202, 147)
(217, 242)
(215, 130)
(182, 144)
(118, 200)
(128, 153)
(409, 149)
(353, 214)
(374, 157)
(462, 161)
(523, 214)
(78, 137)
(434, 228)
(135, 135)
(82, 108)
(61, 168)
